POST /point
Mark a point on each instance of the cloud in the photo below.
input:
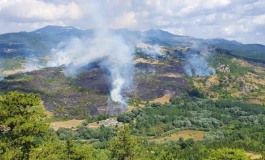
(238, 20)
(126, 20)
(35, 11)
(259, 20)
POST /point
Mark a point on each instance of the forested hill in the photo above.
(41, 41)
(207, 129)
(188, 98)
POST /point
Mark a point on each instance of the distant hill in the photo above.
(253, 52)
(40, 41)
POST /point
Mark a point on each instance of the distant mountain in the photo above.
(253, 52)
(41, 41)
(38, 42)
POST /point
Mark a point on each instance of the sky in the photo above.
(240, 20)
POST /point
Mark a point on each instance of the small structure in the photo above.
(109, 122)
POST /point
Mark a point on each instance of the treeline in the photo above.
(233, 128)
(185, 113)
(235, 68)
(243, 54)
(228, 123)
(83, 133)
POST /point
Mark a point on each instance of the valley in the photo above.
(185, 96)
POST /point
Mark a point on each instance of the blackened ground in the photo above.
(151, 82)
(61, 95)
(87, 94)
(95, 79)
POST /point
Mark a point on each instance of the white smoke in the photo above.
(152, 51)
(196, 63)
(114, 55)
(105, 47)
(32, 64)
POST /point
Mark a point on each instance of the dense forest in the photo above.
(231, 129)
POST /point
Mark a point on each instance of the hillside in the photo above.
(41, 41)
(182, 95)
(179, 65)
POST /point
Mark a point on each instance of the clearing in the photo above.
(163, 100)
(186, 134)
(148, 61)
(172, 75)
(253, 155)
(66, 124)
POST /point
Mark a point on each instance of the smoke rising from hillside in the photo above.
(153, 51)
(105, 47)
(110, 50)
(32, 64)
(196, 63)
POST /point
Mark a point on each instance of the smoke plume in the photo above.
(110, 50)
(196, 63)
(152, 51)
(33, 63)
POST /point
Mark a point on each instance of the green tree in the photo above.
(22, 125)
(228, 154)
(125, 146)
(52, 148)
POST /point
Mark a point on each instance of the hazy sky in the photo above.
(241, 20)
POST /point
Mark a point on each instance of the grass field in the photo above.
(163, 100)
(186, 134)
(253, 156)
(66, 124)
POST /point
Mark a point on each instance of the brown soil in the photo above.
(213, 80)
(241, 62)
(93, 125)
(172, 75)
(163, 100)
(253, 155)
(66, 124)
(11, 72)
(253, 78)
(148, 61)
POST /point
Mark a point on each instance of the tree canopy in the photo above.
(22, 124)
